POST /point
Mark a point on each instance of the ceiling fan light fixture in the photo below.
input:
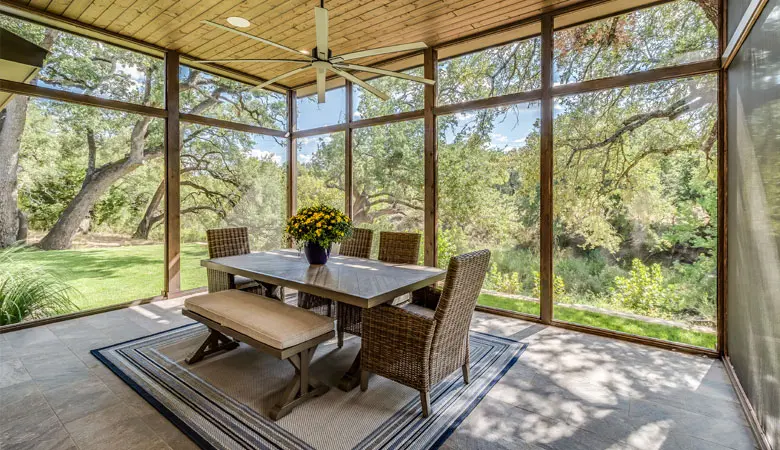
(239, 22)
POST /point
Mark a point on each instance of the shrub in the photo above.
(29, 291)
(508, 283)
(644, 291)
(559, 287)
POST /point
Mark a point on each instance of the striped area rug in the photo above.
(223, 402)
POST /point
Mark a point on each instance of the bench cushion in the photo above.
(265, 320)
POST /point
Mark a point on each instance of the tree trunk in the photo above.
(95, 185)
(142, 231)
(12, 121)
(21, 234)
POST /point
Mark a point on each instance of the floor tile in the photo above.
(76, 400)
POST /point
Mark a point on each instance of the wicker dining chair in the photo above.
(358, 246)
(231, 242)
(417, 346)
(398, 248)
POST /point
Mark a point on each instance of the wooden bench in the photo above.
(275, 328)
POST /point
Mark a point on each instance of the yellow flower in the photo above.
(330, 227)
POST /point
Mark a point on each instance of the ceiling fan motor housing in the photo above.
(314, 53)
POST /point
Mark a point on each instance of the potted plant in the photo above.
(317, 227)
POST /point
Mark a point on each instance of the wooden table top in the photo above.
(361, 282)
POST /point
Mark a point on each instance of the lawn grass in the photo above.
(606, 321)
(107, 276)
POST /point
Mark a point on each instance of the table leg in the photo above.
(351, 379)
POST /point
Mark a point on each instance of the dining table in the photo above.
(365, 283)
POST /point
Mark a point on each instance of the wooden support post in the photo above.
(292, 156)
(431, 160)
(348, 152)
(723, 148)
(546, 173)
(172, 176)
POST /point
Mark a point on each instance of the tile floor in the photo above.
(568, 391)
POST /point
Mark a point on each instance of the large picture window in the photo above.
(229, 179)
(489, 198)
(321, 170)
(635, 196)
(405, 96)
(388, 178)
(674, 33)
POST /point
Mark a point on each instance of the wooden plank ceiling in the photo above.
(354, 24)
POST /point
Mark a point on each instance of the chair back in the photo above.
(227, 242)
(399, 248)
(359, 245)
(462, 286)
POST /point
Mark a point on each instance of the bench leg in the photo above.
(215, 342)
(301, 388)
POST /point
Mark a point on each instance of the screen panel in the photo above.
(753, 302)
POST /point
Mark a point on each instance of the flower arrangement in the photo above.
(320, 225)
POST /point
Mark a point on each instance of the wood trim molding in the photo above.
(490, 102)
(546, 175)
(219, 123)
(292, 156)
(172, 160)
(653, 342)
(747, 407)
(384, 120)
(321, 130)
(753, 12)
(649, 76)
(32, 90)
(348, 150)
(430, 163)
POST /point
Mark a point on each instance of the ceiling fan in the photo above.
(321, 59)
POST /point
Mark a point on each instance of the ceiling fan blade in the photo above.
(250, 36)
(280, 77)
(389, 73)
(320, 85)
(321, 23)
(249, 60)
(360, 83)
(380, 51)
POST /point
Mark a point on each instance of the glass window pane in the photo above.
(321, 170)
(208, 95)
(667, 35)
(84, 66)
(388, 178)
(635, 195)
(82, 200)
(315, 115)
(405, 95)
(229, 179)
(507, 69)
(489, 198)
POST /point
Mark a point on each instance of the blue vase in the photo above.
(315, 253)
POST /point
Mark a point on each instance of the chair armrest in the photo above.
(428, 297)
(397, 344)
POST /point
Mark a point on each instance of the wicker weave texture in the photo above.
(224, 242)
(358, 246)
(397, 248)
(227, 242)
(420, 351)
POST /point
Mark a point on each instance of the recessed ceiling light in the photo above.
(239, 22)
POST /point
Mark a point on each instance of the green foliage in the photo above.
(559, 286)
(29, 291)
(319, 224)
(645, 291)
